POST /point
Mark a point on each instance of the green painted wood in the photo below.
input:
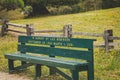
(23, 52)
(46, 61)
(62, 74)
(57, 41)
(11, 65)
(82, 68)
(51, 69)
(37, 70)
(75, 74)
(24, 66)
(87, 55)
(90, 71)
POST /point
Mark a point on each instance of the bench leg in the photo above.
(23, 63)
(52, 71)
(90, 72)
(75, 75)
(37, 70)
(10, 65)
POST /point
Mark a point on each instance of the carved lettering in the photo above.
(51, 41)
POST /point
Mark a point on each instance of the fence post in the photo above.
(107, 37)
(29, 29)
(67, 31)
(4, 28)
(2, 31)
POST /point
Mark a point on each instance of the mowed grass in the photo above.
(107, 67)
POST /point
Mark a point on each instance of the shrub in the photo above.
(65, 10)
(12, 14)
(76, 9)
(27, 10)
(53, 11)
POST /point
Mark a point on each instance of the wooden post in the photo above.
(5, 25)
(110, 38)
(2, 31)
(29, 29)
(107, 35)
(4, 28)
(67, 31)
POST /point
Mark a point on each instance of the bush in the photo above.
(76, 9)
(27, 10)
(63, 2)
(53, 11)
(65, 10)
(12, 14)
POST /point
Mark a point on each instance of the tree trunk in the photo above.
(38, 9)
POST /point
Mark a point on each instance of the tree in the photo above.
(11, 4)
(110, 3)
(39, 6)
(88, 5)
(63, 2)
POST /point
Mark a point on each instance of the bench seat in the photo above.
(43, 60)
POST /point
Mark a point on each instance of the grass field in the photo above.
(107, 67)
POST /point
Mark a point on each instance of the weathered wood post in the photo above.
(2, 31)
(108, 34)
(67, 31)
(4, 28)
(29, 29)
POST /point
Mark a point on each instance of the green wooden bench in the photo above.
(54, 52)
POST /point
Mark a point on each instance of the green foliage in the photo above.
(12, 14)
(53, 10)
(27, 10)
(9, 9)
(76, 9)
(11, 4)
(39, 6)
(110, 3)
(63, 2)
(65, 10)
(115, 55)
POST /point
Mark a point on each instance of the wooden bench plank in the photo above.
(57, 41)
(46, 61)
(86, 55)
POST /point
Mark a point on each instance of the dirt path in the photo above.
(6, 76)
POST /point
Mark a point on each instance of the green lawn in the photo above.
(107, 67)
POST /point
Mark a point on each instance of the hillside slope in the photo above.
(93, 21)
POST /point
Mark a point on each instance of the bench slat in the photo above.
(57, 41)
(86, 55)
(46, 61)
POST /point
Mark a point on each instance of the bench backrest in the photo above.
(56, 46)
